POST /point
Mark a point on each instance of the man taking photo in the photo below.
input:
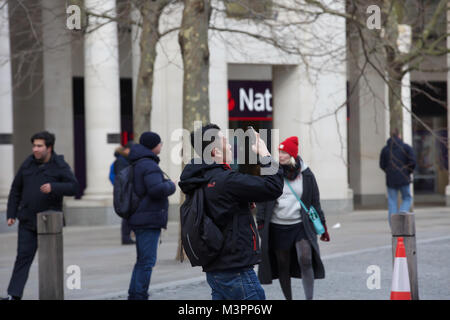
(228, 195)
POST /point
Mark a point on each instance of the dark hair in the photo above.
(204, 143)
(395, 133)
(48, 137)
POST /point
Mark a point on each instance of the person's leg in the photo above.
(252, 286)
(235, 285)
(216, 293)
(284, 261)
(406, 199)
(146, 245)
(392, 202)
(26, 249)
(304, 254)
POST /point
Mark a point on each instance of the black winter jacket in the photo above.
(228, 195)
(397, 160)
(25, 198)
(153, 189)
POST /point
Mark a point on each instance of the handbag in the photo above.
(312, 213)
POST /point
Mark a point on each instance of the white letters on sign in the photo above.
(254, 102)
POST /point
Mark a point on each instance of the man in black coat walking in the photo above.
(228, 195)
(398, 161)
(39, 185)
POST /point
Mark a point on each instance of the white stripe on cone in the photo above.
(400, 280)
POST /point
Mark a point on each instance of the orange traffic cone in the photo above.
(400, 279)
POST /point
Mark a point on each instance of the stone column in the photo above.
(58, 110)
(6, 110)
(102, 97)
(404, 45)
(368, 122)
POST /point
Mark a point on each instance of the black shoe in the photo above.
(128, 241)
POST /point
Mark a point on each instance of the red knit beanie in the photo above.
(290, 145)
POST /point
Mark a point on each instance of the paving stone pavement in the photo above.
(363, 239)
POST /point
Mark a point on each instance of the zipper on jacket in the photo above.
(253, 237)
(190, 246)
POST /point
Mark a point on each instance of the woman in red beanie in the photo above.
(289, 246)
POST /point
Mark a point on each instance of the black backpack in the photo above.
(202, 240)
(126, 201)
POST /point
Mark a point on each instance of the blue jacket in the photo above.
(397, 160)
(153, 189)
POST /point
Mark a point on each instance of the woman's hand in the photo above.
(325, 236)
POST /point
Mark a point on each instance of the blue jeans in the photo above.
(236, 284)
(393, 203)
(146, 247)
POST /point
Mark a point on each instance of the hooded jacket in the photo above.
(398, 161)
(153, 189)
(25, 198)
(227, 201)
(121, 161)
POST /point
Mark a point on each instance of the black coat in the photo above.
(153, 189)
(398, 161)
(227, 196)
(25, 198)
(268, 268)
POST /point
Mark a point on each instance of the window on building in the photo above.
(248, 9)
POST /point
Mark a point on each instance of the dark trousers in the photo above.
(26, 249)
(126, 230)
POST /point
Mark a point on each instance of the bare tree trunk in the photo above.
(193, 40)
(395, 100)
(394, 15)
(151, 12)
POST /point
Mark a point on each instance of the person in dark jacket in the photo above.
(121, 162)
(153, 188)
(288, 238)
(228, 195)
(39, 185)
(398, 161)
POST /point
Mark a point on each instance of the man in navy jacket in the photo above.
(398, 161)
(153, 188)
(228, 195)
(39, 185)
